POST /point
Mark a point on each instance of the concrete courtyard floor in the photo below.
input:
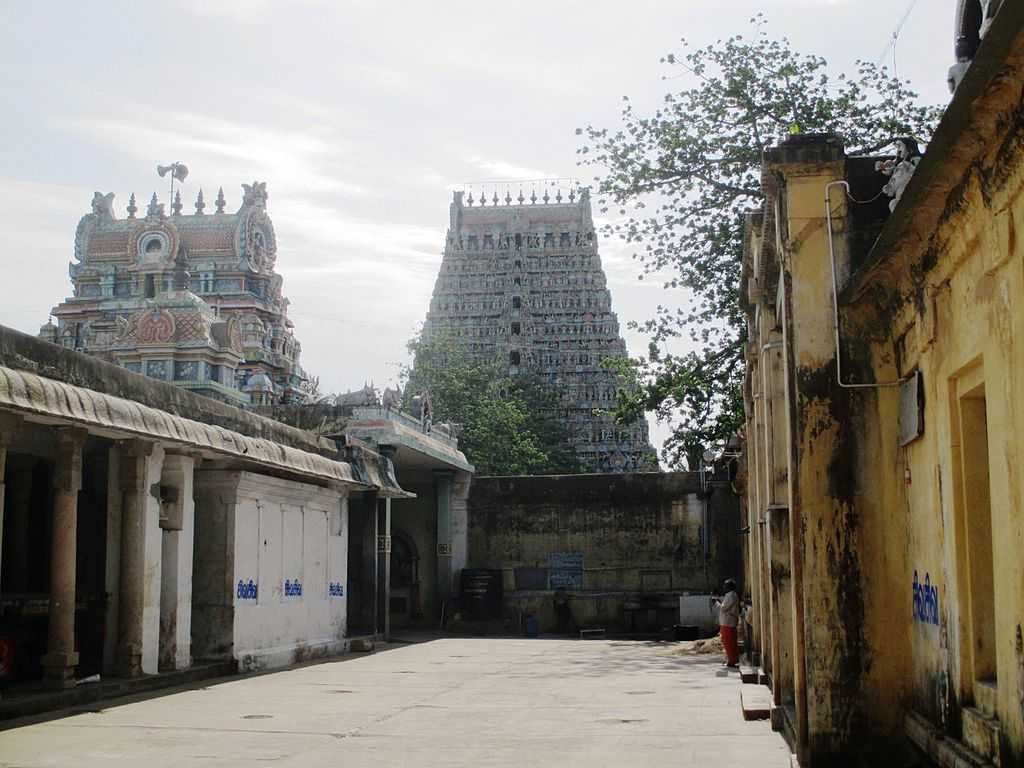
(448, 702)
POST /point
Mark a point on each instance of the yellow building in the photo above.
(884, 399)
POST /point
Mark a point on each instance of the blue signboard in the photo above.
(565, 570)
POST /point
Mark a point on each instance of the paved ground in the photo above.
(451, 703)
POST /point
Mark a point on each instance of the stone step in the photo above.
(940, 749)
(749, 674)
(756, 702)
(981, 733)
(985, 692)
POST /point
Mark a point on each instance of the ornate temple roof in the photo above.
(155, 290)
(247, 234)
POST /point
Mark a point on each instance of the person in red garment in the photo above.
(728, 619)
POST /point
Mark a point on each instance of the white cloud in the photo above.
(502, 170)
(299, 158)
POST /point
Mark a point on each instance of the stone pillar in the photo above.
(60, 660)
(458, 526)
(443, 481)
(112, 572)
(368, 566)
(139, 610)
(781, 604)
(177, 525)
(383, 512)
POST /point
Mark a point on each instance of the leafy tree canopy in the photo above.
(680, 180)
(508, 424)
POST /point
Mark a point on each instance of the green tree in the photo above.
(681, 178)
(508, 424)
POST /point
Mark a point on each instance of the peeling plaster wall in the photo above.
(961, 317)
(826, 556)
(888, 542)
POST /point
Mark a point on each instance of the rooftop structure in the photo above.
(521, 281)
(191, 299)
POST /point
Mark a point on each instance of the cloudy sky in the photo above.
(361, 117)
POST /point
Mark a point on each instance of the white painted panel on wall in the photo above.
(270, 553)
(337, 553)
(247, 553)
(315, 576)
(292, 565)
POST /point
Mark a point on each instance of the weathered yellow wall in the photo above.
(852, 654)
(968, 312)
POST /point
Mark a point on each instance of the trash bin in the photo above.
(532, 627)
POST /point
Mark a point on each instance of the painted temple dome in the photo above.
(259, 382)
(156, 291)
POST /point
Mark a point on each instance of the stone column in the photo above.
(383, 512)
(176, 564)
(443, 481)
(60, 660)
(364, 509)
(458, 530)
(139, 609)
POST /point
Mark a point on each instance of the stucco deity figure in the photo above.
(900, 169)
(103, 205)
(392, 399)
(422, 410)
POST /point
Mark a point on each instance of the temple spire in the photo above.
(132, 207)
(155, 208)
(220, 202)
(176, 205)
(200, 205)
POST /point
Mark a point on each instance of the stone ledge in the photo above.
(16, 704)
(946, 752)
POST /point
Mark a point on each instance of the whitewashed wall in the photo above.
(285, 534)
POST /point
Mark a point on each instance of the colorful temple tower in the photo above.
(521, 282)
(189, 299)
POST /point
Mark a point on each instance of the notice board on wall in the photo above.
(482, 592)
(565, 570)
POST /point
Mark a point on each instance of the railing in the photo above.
(437, 431)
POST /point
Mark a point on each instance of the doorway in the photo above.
(404, 602)
(975, 566)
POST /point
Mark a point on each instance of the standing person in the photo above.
(728, 619)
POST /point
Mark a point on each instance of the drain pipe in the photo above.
(835, 293)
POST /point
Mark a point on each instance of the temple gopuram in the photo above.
(521, 282)
(190, 299)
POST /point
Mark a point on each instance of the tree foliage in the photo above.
(508, 424)
(680, 180)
